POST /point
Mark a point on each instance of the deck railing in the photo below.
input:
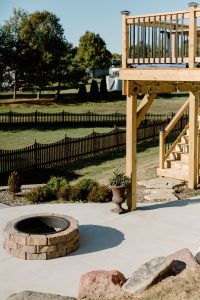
(172, 37)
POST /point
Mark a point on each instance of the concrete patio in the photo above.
(108, 241)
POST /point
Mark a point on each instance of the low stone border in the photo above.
(41, 246)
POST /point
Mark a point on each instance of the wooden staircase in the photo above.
(176, 164)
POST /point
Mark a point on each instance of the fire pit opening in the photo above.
(41, 236)
(42, 225)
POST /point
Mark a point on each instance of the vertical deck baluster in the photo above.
(170, 40)
(159, 40)
(165, 40)
(177, 41)
(144, 40)
(133, 41)
(154, 40)
(138, 41)
(130, 41)
(182, 46)
(149, 42)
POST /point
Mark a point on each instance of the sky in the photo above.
(99, 16)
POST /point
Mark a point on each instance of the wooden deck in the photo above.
(161, 54)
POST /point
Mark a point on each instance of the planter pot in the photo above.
(118, 198)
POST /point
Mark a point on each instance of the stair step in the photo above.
(185, 157)
(171, 173)
(179, 165)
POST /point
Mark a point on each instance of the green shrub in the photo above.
(64, 192)
(82, 92)
(103, 89)
(100, 193)
(85, 186)
(37, 195)
(14, 182)
(75, 193)
(94, 90)
(54, 184)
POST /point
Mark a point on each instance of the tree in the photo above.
(12, 56)
(92, 52)
(46, 46)
(34, 51)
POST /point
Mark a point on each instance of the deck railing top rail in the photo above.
(162, 38)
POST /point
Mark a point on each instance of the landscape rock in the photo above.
(148, 274)
(99, 284)
(182, 259)
(197, 257)
(29, 295)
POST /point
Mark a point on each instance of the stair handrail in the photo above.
(176, 118)
(178, 139)
(167, 130)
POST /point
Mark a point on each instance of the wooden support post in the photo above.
(131, 149)
(193, 121)
(192, 35)
(162, 149)
(124, 38)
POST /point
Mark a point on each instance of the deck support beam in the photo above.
(131, 149)
(193, 128)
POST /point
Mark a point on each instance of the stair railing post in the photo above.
(125, 34)
(192, 34)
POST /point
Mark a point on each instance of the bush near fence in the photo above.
(72, 149)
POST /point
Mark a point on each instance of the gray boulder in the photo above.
(29, 295)
(148, 274)
(197, 257)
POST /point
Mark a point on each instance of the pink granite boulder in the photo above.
(100, 284)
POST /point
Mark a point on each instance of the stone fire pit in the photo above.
(41, 236)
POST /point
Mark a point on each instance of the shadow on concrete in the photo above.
(177, 203)
(94, 238)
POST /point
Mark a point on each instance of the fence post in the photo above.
(93, 143)
(36, 117)
(116, 138)
(63, 117)
(35, 154)
(10, 116)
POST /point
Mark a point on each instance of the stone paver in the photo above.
(160, 196)
(161, 183)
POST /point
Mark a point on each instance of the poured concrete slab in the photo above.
(107, 241)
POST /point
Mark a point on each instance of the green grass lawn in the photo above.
(20, 138)
(117, 103)
(101, 170)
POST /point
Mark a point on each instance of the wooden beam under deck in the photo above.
(167, 75)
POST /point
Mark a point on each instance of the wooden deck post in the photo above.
(131, 149)
(193, 135)
(192, 34)
(124, 38)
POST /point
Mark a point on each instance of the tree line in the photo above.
(34, 52)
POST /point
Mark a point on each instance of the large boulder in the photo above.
(182, 259)
(100, 284)
(148, 274)
(29, 295)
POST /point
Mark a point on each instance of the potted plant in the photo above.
(118, 184)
